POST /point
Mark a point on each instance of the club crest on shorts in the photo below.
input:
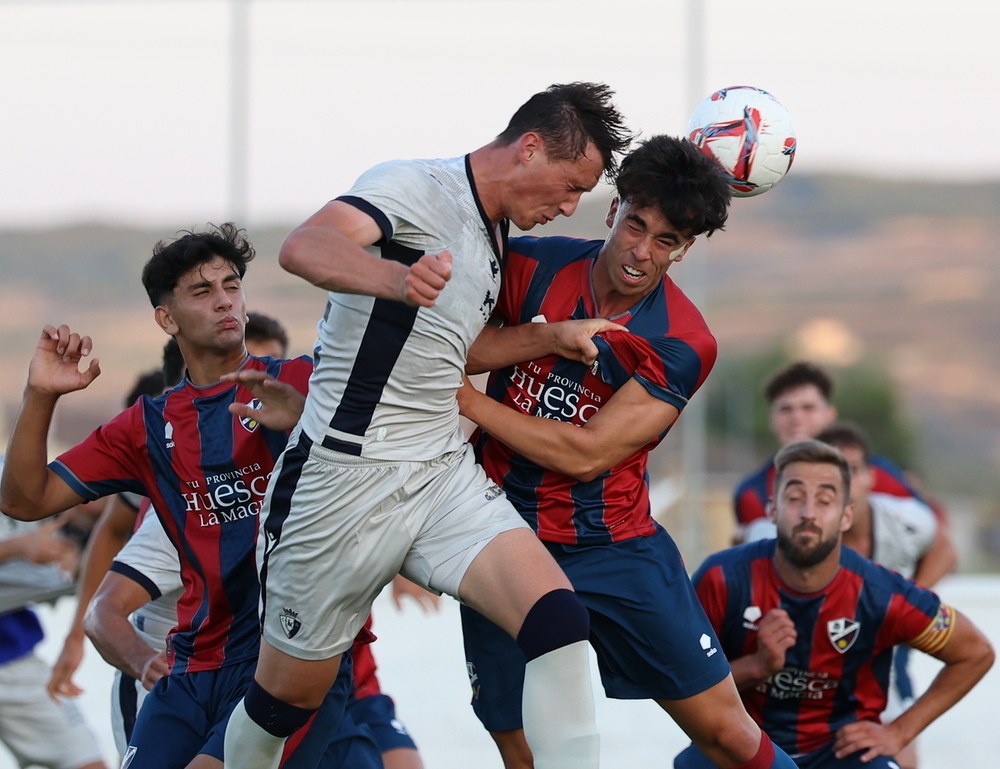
(843, 633)
(289, 622)
(250, 424)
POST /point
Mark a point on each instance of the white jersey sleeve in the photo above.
(903, 530)
(151, 554)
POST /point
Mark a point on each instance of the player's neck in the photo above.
(811, 579)
(207, 367)
(487, 164)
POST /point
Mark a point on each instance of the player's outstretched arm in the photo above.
(28, 489)
(281, 404)
(109, 535)
(497, 347)
(775, 636)
(622, 426)
(107, 626)
(328, 251)
(967, 656)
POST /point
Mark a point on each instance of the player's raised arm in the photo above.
(28, 489)
(328, 251)
(966, 655)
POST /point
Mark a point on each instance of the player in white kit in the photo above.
(377, 478)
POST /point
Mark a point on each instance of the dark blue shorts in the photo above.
(378, 713)
(186, 714)
(652, 638)
(692, 758)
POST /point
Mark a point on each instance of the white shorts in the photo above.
(127, 695)
(336, 528)
(35, 728)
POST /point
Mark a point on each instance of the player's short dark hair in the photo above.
(796, 375)
(172, 260)
(845, 435)
(567, 117)
(148, 383)
(812, 452)
(673, 175)
(173, 364)
(263, 328)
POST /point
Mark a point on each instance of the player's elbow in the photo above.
(290, 254)
(14, 507)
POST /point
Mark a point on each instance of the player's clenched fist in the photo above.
(775, 635)
(54, 368)
(426, 278)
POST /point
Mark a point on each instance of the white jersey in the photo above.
(903, 529)
(386, 374)
(150, 558)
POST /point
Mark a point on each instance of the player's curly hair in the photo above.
(172, 260)
(673, 175)
(568, 116)
(796, 375)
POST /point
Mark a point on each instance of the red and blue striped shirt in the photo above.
(205, 472)
(668, 350)
(838, 670)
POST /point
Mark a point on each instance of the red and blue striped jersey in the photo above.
(205, 472)
(838, 670)
(753, 492)
(668, 350)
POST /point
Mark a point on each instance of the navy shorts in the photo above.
(186, 714)
(692, 758)
(378, 713)
(652, 638)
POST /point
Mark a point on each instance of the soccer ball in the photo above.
(749, 133)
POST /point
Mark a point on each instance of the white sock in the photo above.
(558, 710)
(248, 746)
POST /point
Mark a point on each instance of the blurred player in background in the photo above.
(800, 408)
(810, 626)
(378, 470)
(567, 440)
(36, 730)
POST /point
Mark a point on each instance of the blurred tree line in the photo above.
(863, 394)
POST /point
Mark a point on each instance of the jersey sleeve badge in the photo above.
(936, 636)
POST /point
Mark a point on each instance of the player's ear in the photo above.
(680, 252)
(529, 146)
(847, 518)
(610, 221)
(164, 319)
(772, 510)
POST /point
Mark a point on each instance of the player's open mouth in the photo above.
(633, 273)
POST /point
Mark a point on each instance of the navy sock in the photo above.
(557, 619)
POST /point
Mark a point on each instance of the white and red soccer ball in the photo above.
(749, 133)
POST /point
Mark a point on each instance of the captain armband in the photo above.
(936, 636)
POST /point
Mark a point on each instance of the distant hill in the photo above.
(910, 268)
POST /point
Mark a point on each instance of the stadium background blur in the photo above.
(877, 257)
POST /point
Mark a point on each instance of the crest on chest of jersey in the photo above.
(843, 633)
(249, 423)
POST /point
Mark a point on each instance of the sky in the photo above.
(119, 110)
